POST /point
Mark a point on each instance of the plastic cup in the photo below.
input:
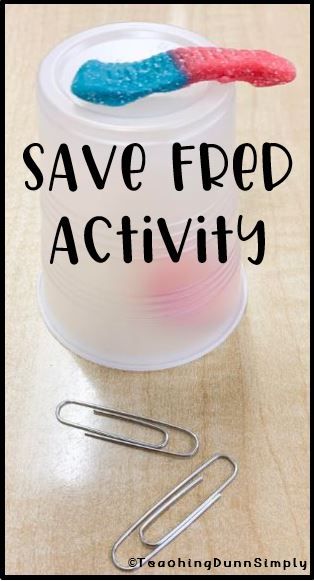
(136, 316)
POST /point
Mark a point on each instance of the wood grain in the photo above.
(68, 497)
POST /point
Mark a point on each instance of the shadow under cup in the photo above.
(137, 316)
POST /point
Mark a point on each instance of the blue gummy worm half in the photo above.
(117, 84)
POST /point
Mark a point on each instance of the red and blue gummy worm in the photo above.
(117, 84)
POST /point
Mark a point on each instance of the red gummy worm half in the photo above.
(258, 67)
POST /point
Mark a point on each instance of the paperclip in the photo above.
(148, 422)
(171, 498)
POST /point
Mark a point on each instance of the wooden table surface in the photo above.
(69, 497)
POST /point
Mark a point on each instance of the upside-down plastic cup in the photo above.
(138, 315)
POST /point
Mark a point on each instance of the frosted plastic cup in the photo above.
(136, 316)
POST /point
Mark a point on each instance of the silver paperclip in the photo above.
(171, 498)
(148, 422)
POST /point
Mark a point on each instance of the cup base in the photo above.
(207, 348)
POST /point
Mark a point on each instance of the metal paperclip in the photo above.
(148, 422)
(171, 498)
